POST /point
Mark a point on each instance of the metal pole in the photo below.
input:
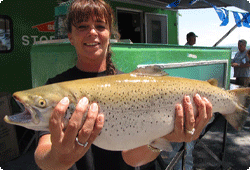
(229, 32)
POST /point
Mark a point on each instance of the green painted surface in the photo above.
(15, 67)
(49, 60)
(58, 57)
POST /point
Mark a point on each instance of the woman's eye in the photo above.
(82, 27)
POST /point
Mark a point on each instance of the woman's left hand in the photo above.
(188, 127)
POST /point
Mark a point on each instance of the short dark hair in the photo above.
(191, 34)
(243, 42)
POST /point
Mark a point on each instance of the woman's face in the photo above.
(90, 39)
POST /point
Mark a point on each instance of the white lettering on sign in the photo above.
(27, 40)
(191, 55)
(51, 27)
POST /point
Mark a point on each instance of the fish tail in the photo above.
(238, 118)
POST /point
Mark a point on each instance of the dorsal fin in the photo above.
(149, 71)
(213, 82)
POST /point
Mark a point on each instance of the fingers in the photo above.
(55, 123)
(76, 121)
(185, 120)
(179, 119)
(205, 113)
(92, 125)
(189, 113)
(97, 128)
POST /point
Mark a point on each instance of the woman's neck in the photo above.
(91, 66)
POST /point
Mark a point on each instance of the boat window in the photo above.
(6, 34)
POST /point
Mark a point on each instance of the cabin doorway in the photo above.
(130, 25)
(156, 28)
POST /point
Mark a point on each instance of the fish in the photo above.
(139, 107)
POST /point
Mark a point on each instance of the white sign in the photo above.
(249, 2)
(0, 2)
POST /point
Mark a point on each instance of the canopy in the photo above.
(184, 4)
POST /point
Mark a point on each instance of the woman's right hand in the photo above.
(61, 149)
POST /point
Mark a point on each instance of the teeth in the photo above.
(91, 43)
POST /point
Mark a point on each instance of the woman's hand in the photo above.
(185, 121)
(65, 150)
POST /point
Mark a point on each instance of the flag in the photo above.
(237, 19)
(246, 22)
(226, 19)
(219, 12)
(173, 4)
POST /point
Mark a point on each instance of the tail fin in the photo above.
(238, 118)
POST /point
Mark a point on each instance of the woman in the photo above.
(89, 31)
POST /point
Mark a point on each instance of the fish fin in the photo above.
(213, 82)
(162, 144)
(149, 71)
(238, 118)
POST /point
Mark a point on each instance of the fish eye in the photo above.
(42, 103)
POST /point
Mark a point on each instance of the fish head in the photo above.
(37, 104)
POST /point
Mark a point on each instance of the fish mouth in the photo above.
(28, 115)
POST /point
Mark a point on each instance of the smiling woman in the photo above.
(90, 26)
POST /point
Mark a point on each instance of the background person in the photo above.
(89, 24)
(241, 65)
(191, 39)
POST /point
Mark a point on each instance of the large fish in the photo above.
(139, 107)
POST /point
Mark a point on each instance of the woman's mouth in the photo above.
(91, 44)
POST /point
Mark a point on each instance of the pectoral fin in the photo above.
(149, 71)
(162, 144)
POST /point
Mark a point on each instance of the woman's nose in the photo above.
(92, 31)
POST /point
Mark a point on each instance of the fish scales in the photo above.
(139, 106)
(138, 109)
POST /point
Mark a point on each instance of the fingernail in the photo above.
(65, 101)
(94, 107)
(101, 118)
(188, 99)
(84, 101)
(198, 96)
(205, 99)
(178, 107)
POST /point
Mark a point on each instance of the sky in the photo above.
(205, 23)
